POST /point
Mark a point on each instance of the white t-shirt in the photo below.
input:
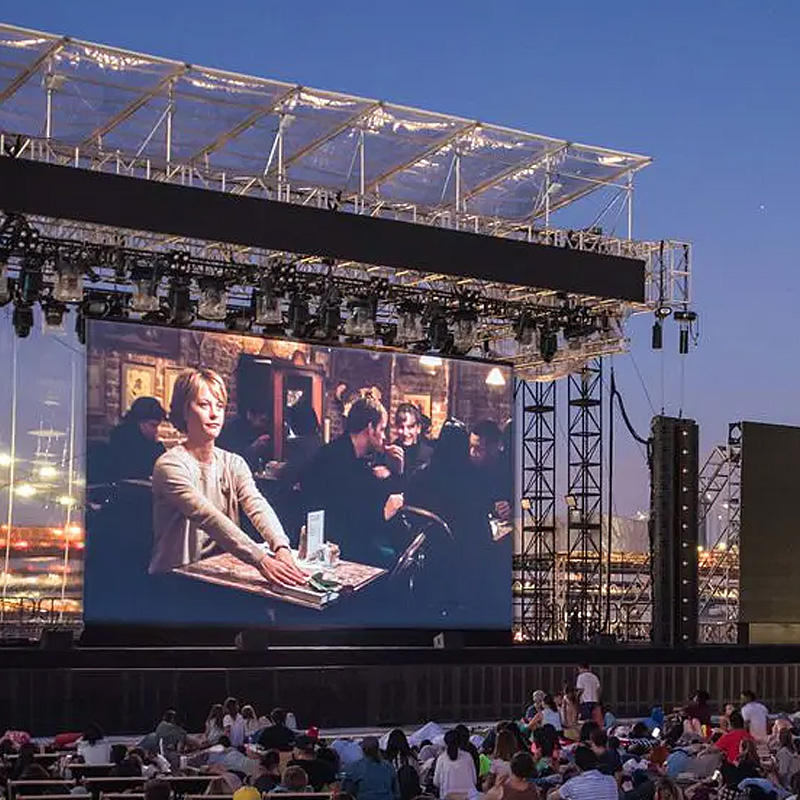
(97, 753)
(590, 684)
(455, 776)
(237, 729)
(755, 715)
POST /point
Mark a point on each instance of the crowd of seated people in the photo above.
(561, 747)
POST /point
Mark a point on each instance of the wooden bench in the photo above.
(17, 788)
(90, 770)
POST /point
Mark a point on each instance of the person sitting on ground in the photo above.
(455, 769)
(400, 755)
(170, 738)
(517, 784)
(590, 783)
(277, 736)
(93, 747)
(224, 755)
(321, 774)
(462, 731)
(233, 722)
(532, 715)
(505, 746)
(787, 760)
(570, 713)
(372, 777)
(270, 772)
(609, 761)
(214, 727)
(295, 781)
(253, 724)
(545, 747)
(697, 713)
(730, 742)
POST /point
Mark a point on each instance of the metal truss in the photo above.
(536, 611)
(720, 490)
(584, 579)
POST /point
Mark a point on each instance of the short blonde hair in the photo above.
(187, 387)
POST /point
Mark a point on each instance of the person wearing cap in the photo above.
(372, 777)
(320, 773)
(133, 447)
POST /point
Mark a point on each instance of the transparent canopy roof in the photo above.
(105, 100)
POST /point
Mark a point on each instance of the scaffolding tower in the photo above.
(536, 609)
(585, 502)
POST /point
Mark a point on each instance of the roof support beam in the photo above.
(133, 107)
(242, 126)
(513, 170)
(326, 137)
(32, 68)
(434, 148)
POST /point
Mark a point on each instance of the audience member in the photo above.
(730, 742)
(233, 722)
(504, 748)
(214, 727)
(590, 784)
(755, 716)
(320, 773)
(157, 789)
(372, 777)
(455, 770)
(517, 784)
(400, 755)
(93, 747)
(270, 772)
(277, 735)
(588, 687)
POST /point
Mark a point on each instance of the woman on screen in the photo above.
(198, 490)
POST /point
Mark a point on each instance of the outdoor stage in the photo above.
(128, 688)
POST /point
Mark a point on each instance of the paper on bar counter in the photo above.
(227, 570)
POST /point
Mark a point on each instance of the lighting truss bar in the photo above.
(26, 74)
(114, 200)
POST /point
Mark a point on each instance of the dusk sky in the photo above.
(709, 89)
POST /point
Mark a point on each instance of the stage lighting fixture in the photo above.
(144, 298)
(213, 303)
(548, 344)
(329, 315)
(360, 322)
(22, 319)
(5, 285)
(30, 280)
(657, 340)
(297, 322)
(526, 330)
(683, 341)
(180, 303)
(465, 330)
(179, 260)
(68, 287)
(239, 320)
(267, 303)
(80, 326)
(495, 378)
(409, 323)
(439, 336)
(95, 305)
(53, 311)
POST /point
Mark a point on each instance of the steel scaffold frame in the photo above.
(536, 610)
(585, 501)
(718, 602)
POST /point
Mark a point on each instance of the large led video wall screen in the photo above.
(243, 481)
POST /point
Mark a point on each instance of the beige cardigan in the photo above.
(188, 525)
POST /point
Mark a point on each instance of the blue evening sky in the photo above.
(709, 89)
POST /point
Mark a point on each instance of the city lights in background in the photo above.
(25, 490)
(5, 460)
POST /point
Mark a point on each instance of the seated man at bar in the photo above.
(358, 503)
(198, 489)
(248, 434)
(492, 466)
(408, 428)
(133, 447)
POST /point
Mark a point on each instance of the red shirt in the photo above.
(730, 742)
